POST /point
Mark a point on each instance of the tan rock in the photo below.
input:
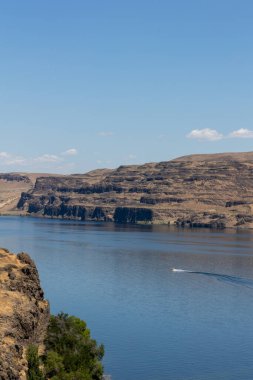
(24, 314)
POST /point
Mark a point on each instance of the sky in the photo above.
(92, 84)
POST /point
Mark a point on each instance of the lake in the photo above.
(156, 324)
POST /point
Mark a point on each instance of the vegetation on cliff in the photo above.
(71, 353)
(26, 330)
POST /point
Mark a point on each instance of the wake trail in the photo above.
(235, 280)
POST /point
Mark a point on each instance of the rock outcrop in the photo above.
(24, 314)
(11, 187)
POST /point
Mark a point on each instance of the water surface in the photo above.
(156, 324)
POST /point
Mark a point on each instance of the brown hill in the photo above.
(199, 190)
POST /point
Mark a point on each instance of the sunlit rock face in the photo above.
(24, 314)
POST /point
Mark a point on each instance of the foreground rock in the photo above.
(24, 314)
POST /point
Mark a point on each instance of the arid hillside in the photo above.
(11, 187)
(198, 191)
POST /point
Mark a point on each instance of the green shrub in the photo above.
(53, 364)
(34, 372)
(71, 353)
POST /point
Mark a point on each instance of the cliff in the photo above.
(24, 314)
(197, 191)
(11, 187)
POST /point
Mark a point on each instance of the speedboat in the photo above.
(178, 270)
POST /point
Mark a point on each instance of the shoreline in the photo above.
(169, 225)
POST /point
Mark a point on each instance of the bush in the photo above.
(71, 353)
(53, 364)
(34, 372)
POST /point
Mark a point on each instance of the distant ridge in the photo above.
(202, 190)
(243, 156)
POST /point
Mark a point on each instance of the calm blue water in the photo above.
(156, 324)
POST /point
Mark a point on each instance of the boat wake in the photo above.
(235, 280)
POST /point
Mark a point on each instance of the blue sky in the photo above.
(89, 84)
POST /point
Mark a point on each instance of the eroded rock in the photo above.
(24, 313)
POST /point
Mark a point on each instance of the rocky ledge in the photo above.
(24, 314)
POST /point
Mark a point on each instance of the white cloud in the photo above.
(105, 133)
(11, 159)
(131, 156)
(242, 133)
(4, 155)
(65, 167)
(16, 161)
(70, 152)
(205, 134)
(45, 162)
(48, 158)
(103, 162)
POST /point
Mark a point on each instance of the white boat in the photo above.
(179, 270)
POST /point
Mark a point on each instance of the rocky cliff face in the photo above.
(11, 187)
(24, 314)
(196, 191)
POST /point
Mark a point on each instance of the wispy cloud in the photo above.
(70, 152)
(205, 134)
(131, 156)
(242, 133)
(48, 158)
(16, 161)
(103, 162)
(45, 162)
(9, 159)
(4, 155)
(105, 133)
(65, 167)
